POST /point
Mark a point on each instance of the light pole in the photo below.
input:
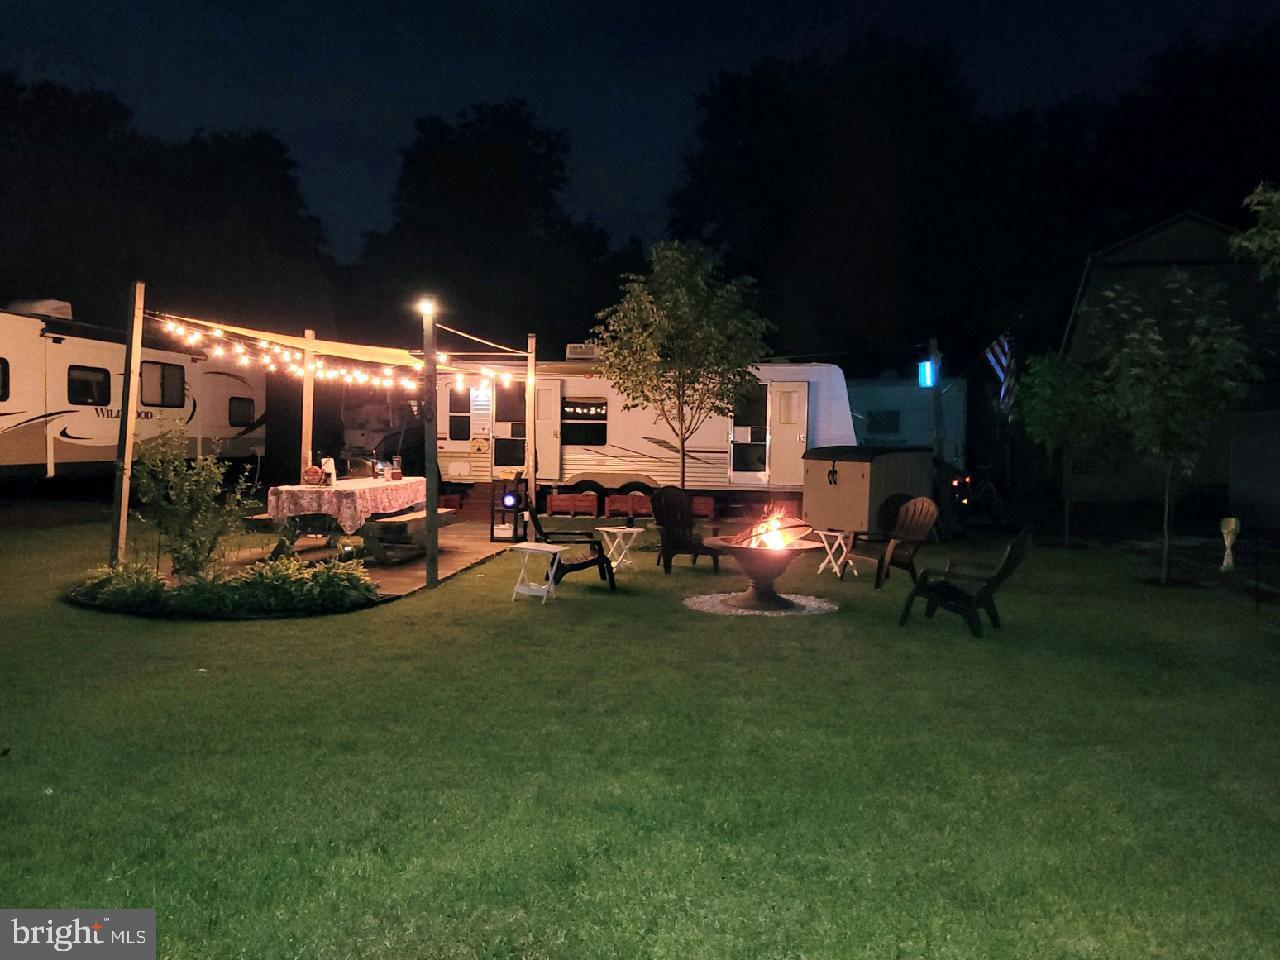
(427, 308)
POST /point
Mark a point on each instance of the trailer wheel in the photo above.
(636, 487)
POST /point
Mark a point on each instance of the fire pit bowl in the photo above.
(763, 552)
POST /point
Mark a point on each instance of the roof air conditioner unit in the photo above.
(581, 351)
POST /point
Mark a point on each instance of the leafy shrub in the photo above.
(283, 586)
(206, 598)
(188, 500)
(129, 586)
(339, 585)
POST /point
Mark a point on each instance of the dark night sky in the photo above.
(341, 81)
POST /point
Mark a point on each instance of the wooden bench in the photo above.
(400, 530)
(259, 523)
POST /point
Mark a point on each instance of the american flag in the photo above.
(1000, 356)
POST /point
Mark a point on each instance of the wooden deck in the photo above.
(462, 546)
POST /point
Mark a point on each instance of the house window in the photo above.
(884, 421)
(240, 412)
(163, 384)
(584, 421)
(4, 379)
(460, 414)
(88, 386)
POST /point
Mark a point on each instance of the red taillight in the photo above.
(968, 479)
(955, 483)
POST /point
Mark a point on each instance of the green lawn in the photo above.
(457, 775)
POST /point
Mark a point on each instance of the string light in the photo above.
(276, 357)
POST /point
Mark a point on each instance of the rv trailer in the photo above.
(61, 383)
(585, 439)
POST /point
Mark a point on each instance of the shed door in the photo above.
(788, 432)
(547, 414)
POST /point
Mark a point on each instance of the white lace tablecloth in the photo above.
(350, 502)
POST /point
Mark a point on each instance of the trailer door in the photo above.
(547, 428)
(788, 432)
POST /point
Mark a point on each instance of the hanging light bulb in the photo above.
(218, 351)
(239, 348)
(217, 332)
(457, 382)
(170, 326)
(417, 366)
(442, 357)
(244, 361)
(271, 367)
(506, 379)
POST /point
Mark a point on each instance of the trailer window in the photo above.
(88, 386)
(4, 379)
(749, 447)
(460, 414)
(884, 421)
(584, 421)
(163, 384)
(508, 402)
(508, 452)
(240, 411)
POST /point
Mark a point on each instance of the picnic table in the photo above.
(349, 502)
(384, 513)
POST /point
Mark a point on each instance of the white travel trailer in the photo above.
(60, 388)
(585, 438)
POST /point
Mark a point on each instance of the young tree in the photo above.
(1062, 409)
(1176, 363)
(682, 339)
(1261, 242)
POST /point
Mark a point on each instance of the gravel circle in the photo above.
(717, 603)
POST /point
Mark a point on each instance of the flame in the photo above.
(776, 531)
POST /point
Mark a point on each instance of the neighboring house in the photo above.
(896, 412)
(1200, 248)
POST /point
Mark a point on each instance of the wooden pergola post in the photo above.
(308, 404)
(128, 423)
(429, 460)
(531, 432)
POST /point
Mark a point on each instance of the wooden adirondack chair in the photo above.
(966, 590)
(898, 548)
(594, 557)
(673, 513)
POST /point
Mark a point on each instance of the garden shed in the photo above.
(861, 488)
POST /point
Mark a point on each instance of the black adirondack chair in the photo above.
(592, 557)
(898, 548)
(966, 590)
(673, 514)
